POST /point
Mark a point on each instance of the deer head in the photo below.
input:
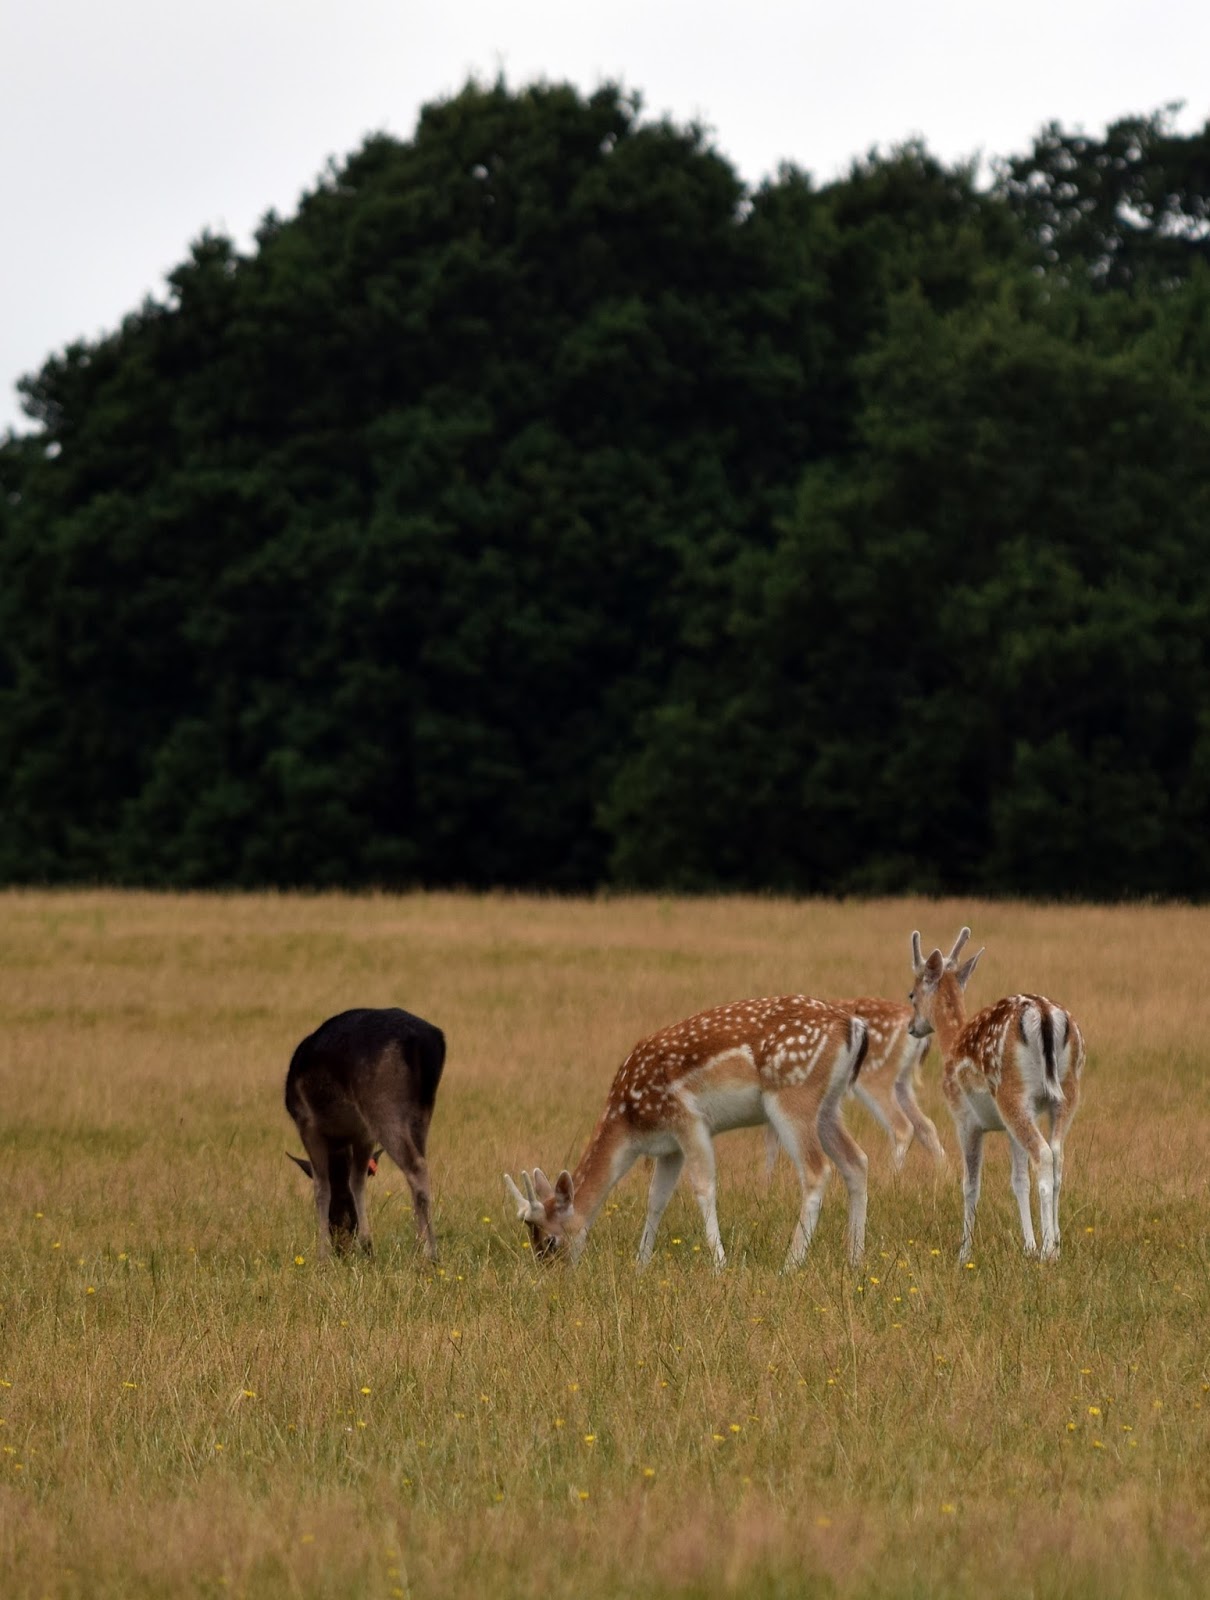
(548, 1212)
(929, 976)
(342, 1212)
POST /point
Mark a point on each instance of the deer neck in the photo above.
(599, 1168)
(949, 1014)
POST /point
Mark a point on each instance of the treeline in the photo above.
(539, 507)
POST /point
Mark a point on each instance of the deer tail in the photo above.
(859, 1041)
(1044, 1027)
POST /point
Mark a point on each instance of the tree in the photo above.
(356, 559)
(1130, 210)
(538, 507)
(978, 656)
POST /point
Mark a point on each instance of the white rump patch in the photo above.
(1031, 1024)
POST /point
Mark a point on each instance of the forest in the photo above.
(539, 506)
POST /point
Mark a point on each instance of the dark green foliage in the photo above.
(537, 508)
(1129, 211)
(976, 658)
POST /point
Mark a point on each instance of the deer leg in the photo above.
(700, 1168)
(1060, 1118)
(1056, 1156)
(1046, 1199)
(1020, 1183)
(902, 1132)
(907, 1078)
(417, 1174)
(405, 1146)
(772, 1146)
(852, 1164)
(357, 1187)
(316, 1147)
(1025, 1131)
(923, 1126)
(665, 1172)
(972, 1176)
(799, 1140)
(897, 1129)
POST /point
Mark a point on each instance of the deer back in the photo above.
(886, 1023)
(767, 1043)
(364, 1067)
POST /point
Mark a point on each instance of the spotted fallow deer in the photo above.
(365, 1078)
(787, 1061)
(887, 1085)
(1011, 1066)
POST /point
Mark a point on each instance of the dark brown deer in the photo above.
(365, 1078)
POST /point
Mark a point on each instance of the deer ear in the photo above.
(305, 1165)
(542, 1184)
(933, 968)
(564, 1190)
(967, 967)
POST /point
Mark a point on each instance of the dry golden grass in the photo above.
(189, 1408)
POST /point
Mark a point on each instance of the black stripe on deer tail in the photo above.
(1048, 1040)
(863, 1045)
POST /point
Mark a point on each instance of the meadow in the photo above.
(191, 1404)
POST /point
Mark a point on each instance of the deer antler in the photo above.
(917, 958)
(952, 958)
(528, 1208)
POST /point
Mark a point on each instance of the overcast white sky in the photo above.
(129, 126)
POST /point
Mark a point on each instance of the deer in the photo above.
(365, 1079)
(787, 1061)
(1007, 1069)
(887, 1085)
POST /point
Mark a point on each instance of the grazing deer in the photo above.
(362, 1079)
(787, 1061)
(887, 1085)
(1010, 1065)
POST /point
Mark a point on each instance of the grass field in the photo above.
(191, 1404)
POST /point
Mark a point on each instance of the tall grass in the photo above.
(191, 1405)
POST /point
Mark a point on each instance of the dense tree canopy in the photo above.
(538, 507)
(1129, 211)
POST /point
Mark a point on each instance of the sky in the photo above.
(128, 127)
